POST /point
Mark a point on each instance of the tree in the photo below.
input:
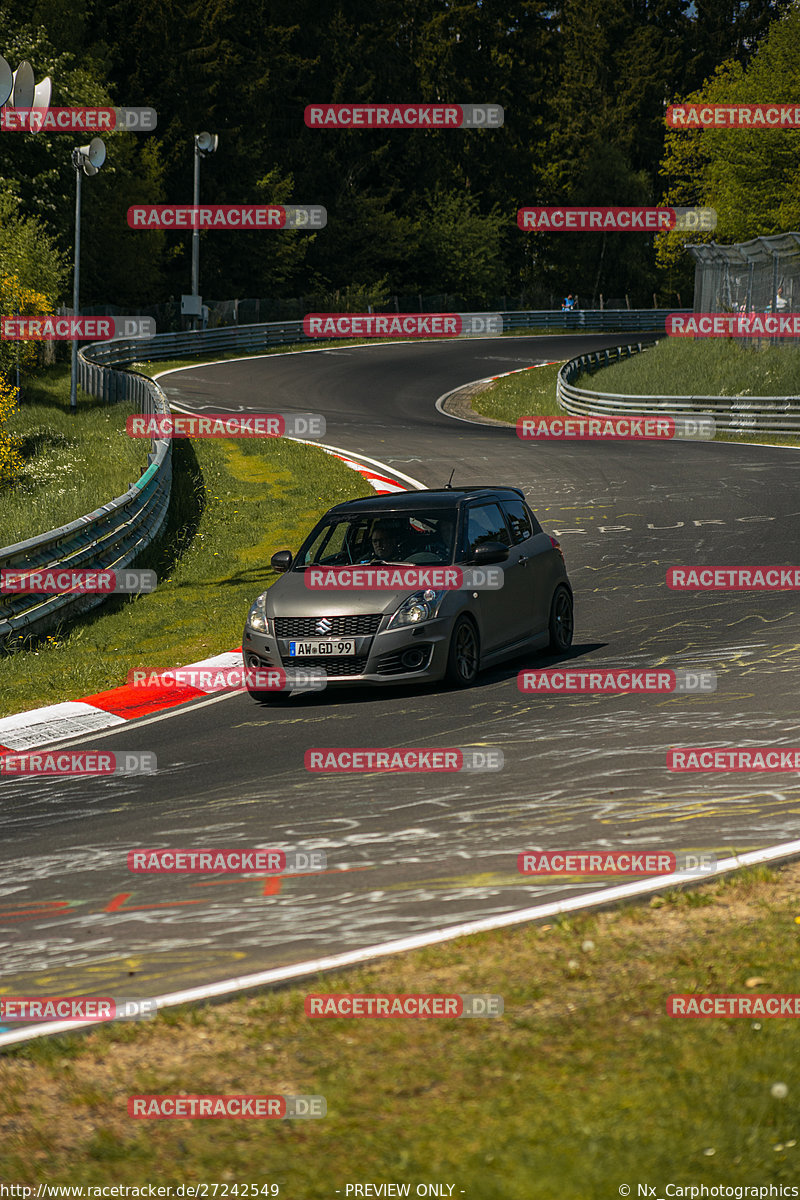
(32, 278)
(458, 249)
(750, 176)
(37, 170)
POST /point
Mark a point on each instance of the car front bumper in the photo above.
(378, 657)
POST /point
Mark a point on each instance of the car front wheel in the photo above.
(464, 657)
(562, 620)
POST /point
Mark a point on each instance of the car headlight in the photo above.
(422, 606)
(257, 617)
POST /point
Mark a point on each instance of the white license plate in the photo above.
(329, 649)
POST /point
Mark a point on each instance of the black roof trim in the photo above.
(404, 500)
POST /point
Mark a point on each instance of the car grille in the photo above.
(352, 665)
(345, 626)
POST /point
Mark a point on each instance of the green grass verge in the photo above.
(72, 464)
(707, 367)
(582, 1086)
(521, 395)
(233, 504)
(673, 367)
(704, 367)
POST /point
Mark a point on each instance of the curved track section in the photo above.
(410, 854)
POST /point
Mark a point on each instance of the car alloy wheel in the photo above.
(463, 660)
(562, 620)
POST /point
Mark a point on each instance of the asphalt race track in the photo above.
(411, 853)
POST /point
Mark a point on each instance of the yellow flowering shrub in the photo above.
(16, 298)
(10, 458)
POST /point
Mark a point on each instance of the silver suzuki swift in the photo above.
(486, 584)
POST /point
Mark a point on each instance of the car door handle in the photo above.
(523, 558)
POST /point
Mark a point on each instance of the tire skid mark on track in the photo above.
(435, 852)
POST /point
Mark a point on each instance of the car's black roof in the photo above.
(428, 498)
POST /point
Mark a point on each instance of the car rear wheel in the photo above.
(562, 620)
(464, 657)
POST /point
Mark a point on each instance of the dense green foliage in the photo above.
(583, 83)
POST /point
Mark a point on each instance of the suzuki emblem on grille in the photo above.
(324, 625)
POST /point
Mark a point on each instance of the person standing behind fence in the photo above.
(569, 303)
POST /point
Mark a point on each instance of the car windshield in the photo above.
(419, 537)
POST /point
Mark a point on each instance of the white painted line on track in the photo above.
(337, 962)
(137, 723)
(439, 406)
(297, 971)
(465, 420)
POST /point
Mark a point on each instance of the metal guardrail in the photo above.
(281, 333)
(760, 414)
(588, 320)
(112, 536)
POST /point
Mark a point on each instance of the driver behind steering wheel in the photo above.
(388, 542)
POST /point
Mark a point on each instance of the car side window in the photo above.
(519, 519)
(486, 523)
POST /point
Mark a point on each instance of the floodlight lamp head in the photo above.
(24, 87)
(206, 143)
(41, 103)
(6, 80)
(42, 93)
(93, 155)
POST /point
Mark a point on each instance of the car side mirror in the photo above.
(489, 552)
(281, 560)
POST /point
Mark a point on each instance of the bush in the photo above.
(10, 457)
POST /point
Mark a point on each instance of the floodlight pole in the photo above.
(196, 231)
(73, 384)
(86, 160)
(204, 144)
